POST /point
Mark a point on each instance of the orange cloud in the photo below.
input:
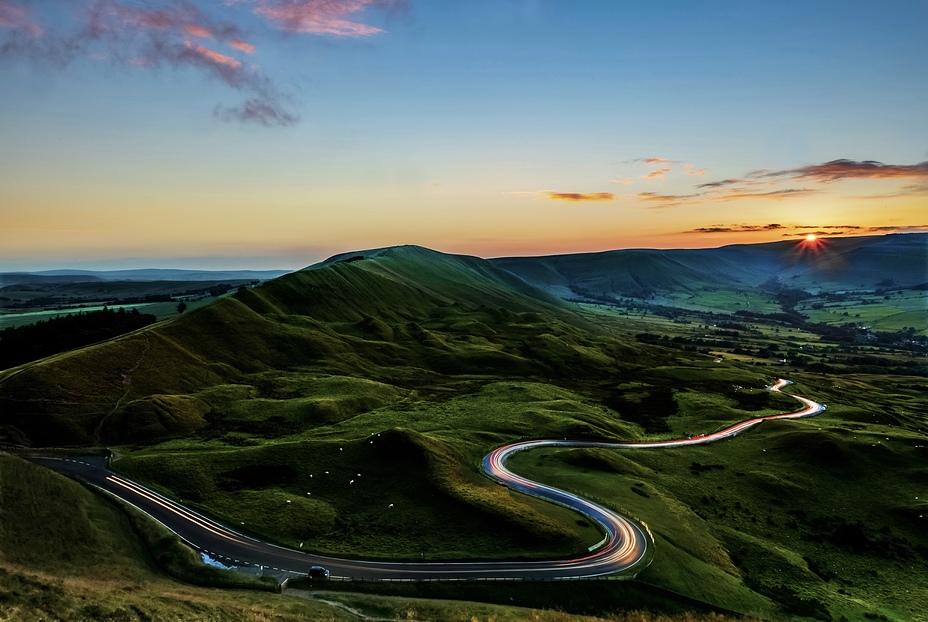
(656, 161)
(623, 182)
(661, 174)
(576, 197)
(215, 56)
(198, 31)
(241, 45)
(701, 172)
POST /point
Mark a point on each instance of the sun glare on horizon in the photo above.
(811, 237)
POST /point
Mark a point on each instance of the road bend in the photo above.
(623, 548)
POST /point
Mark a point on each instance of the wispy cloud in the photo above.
(240, 45)
(659, 174)
(737, 181)
(773, 195)
(837, 170)
(16, 16)
(168, 34)
(651, 161)
(909, 190)
(662, 201)
(668, 200)
(846, 227)
(721, 183)
(184, 36)
(737, 228)
(324, 17)
(577, 197)
(700, 172)
(820, 232)
(898, 229)
(804, 230)
(625, 181)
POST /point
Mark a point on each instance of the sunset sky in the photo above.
(274, 133)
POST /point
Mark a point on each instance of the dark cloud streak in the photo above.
(737, 228)
(837, 170)
(578, 197)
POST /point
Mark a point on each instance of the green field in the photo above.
(880, 312)
(331, 394)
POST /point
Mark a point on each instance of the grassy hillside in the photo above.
(66, 554)
(87, 564)
(707, 277)
(381, 378)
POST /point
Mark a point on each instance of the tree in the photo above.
(181, 307)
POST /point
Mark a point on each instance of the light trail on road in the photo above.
(624, 547)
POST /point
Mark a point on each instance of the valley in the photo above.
(345, 410)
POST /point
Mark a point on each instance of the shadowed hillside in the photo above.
(831, 264)
(404, 307)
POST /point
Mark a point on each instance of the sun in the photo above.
(811, 237)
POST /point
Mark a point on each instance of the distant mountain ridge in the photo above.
(141, 275)
(859, 263)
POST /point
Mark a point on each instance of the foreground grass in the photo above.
(403, 608)
(86, 563)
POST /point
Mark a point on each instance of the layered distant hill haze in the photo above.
(140, 275)
(832, 264)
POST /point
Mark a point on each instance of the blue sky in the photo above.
(272, 133)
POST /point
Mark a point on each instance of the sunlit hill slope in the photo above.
(408, 309)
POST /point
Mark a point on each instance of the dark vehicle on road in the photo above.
(318, 572)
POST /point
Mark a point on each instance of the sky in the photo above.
(275, 133)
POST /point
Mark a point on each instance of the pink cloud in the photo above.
(623, 182)
(18, 17)
(197, 31)
(326, 17)
(215, 56)
(238, 44)
(129, 34)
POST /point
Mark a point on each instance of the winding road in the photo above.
(623, 548)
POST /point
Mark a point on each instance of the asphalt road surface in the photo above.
(623, 548)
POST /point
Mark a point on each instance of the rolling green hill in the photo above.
(400, 368)
(408, 308)
(833, 264)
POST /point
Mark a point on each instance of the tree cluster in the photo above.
(22, 344)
